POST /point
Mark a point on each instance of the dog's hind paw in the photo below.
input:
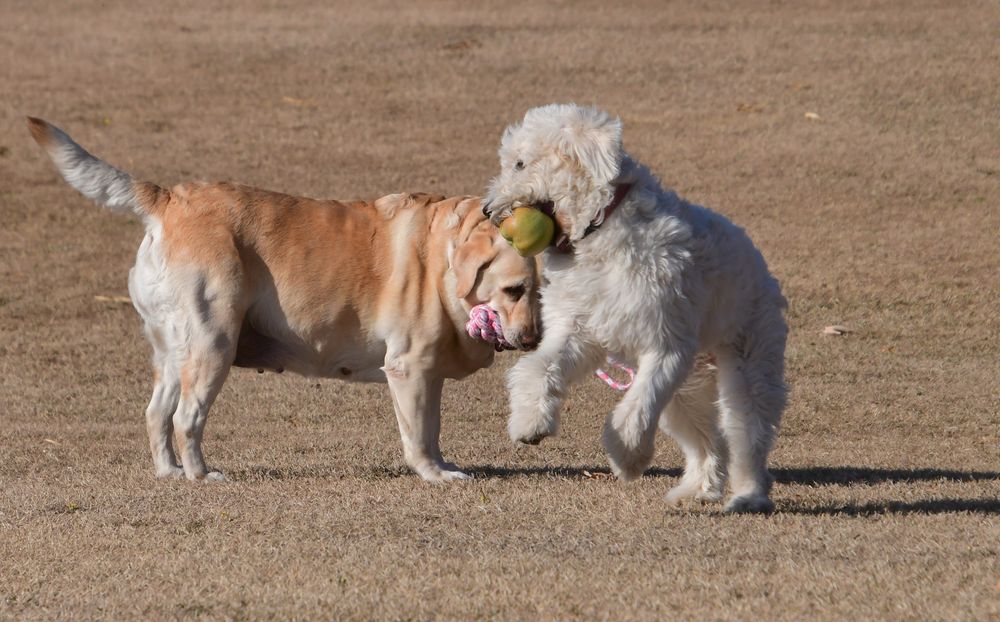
(705, 491)
(210, 477)
(749, 504)
(680, 494)
(169, 472)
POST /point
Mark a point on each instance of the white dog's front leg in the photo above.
(630, 429)
(538, 383)
(417, 401)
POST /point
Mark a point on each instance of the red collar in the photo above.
(563, 245)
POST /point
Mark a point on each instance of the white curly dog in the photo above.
(641, 275)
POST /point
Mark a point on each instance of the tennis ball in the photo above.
(528, 230)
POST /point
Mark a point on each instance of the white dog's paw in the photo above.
(441, 473)
(530, 430)
(708, 496)
(679, 494)
(683, 492)
(696, 486)
(628, 470)
(627, 463)
(171, 471)
(749, 504)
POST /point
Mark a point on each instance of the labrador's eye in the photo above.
(519, 165)
(515, 291)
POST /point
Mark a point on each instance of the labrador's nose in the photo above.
(486, 208)
(529, 342)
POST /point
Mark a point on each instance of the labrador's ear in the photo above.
(469, 260)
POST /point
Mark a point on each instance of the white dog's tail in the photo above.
(95, 179)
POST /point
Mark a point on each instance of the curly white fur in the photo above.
(659, 282)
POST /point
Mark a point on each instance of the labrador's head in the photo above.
(489, 271)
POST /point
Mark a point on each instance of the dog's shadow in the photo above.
(812, 476)
(805, 476)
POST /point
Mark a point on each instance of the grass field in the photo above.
(879, 211)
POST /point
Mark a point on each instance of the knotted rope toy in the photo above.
(484, 324)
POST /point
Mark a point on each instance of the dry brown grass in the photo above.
(881, 215)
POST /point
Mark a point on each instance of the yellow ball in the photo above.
(528, 230)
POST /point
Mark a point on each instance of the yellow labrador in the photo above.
(229, 275)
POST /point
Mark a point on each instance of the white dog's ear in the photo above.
(594, 139)
(507, 133)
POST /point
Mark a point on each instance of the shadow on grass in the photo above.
(809, 476)
(847, 475)
(566, 472)
(878, 508)
(371, 472)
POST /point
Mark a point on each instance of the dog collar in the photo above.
(563, 245)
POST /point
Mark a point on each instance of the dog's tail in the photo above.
(95, 179)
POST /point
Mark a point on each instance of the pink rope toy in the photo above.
(484, 323)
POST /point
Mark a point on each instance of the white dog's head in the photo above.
(561, 154)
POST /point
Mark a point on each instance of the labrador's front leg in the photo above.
(538, 383)
(417, 401)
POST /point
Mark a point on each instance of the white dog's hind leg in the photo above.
(691, 418)
(630, 429)
(417, 402)
(537, 384)
(751, 398)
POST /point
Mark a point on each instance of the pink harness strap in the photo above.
(611, 382)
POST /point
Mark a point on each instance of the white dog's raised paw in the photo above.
(749, 504)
